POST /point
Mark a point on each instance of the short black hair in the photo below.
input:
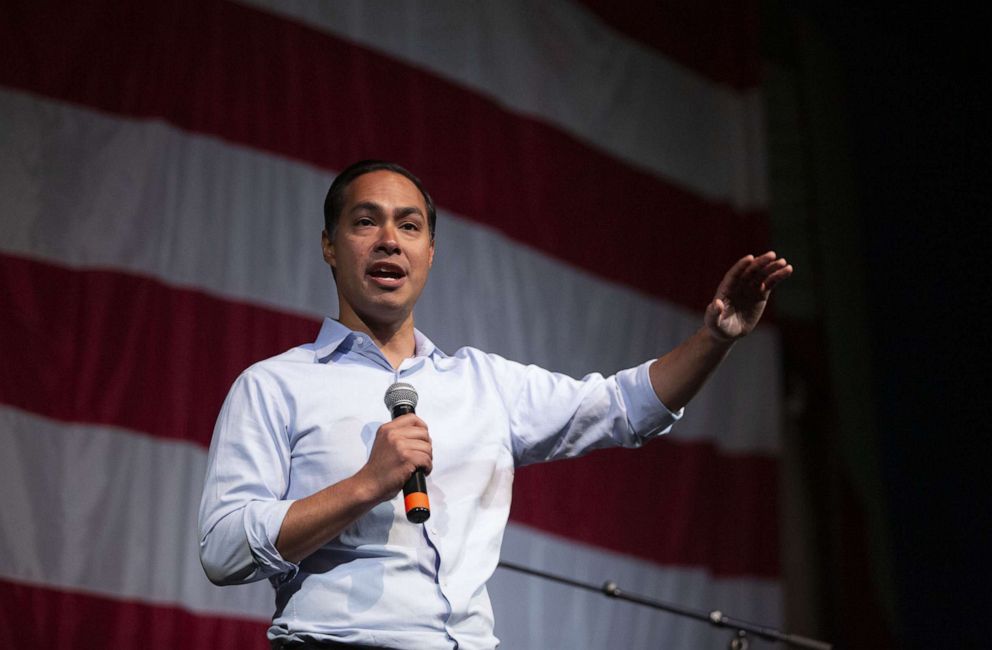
(334, 202)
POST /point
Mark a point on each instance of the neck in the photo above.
(394, 339)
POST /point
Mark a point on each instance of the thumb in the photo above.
(714, 311)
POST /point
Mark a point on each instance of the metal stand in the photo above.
(715, 618)
(740, 641)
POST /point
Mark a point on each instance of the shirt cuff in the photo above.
(647, 415)
(263, 520)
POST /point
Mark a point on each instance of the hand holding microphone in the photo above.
(401, 454)
(401, 400)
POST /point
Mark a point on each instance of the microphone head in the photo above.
(399, 394)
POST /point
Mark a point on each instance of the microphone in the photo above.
(401, 399)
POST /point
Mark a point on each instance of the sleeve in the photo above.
(243, 502)
(553, 416)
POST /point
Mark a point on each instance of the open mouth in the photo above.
(386, 274)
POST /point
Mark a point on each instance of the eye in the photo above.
(409, 225)
(364, 221)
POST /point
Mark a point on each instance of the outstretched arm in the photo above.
(734, 311)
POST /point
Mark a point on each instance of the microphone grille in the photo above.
(401, 393)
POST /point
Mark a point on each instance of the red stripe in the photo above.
(719, 39)
(252, 78)
(41, 617)
(670, 502)
(107, 348)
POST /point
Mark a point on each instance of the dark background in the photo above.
(921, 143)
(917, 133)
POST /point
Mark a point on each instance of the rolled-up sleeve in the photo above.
(243, 503)
(554, 416)
(647, 415)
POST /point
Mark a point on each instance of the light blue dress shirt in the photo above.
(306, 419)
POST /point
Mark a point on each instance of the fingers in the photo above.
(765, 271)
(404, 441)
(753, 274)
(419, 455)
(738, 269)
(743, 271)
(410, 424)
(400, 447)
(777, 276)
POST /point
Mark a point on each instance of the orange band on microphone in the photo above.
(416, 500)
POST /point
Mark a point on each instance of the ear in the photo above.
(327, 246)
(430, 257)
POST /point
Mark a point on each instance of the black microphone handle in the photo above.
(418, 508)
(402, 409)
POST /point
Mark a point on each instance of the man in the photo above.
(306, 466)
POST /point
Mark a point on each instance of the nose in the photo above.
(388, 241)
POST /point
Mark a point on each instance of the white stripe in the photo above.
(556, 61)
(534, 613)
(104, 511)
(109, 512)
(84, 190)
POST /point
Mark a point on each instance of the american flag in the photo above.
(597, 167)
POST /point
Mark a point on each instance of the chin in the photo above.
(386, 311)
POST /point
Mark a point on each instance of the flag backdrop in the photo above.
(162, 171)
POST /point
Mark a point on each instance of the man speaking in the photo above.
(307, 468)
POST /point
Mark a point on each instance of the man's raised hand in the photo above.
(741, 297)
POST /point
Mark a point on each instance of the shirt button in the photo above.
(360, 341)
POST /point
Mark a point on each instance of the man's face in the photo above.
(382, 249)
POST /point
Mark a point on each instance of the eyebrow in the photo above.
(375, 207)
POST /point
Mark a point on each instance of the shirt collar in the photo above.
(425, 347)
(333, 335)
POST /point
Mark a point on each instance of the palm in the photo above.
(742, 295)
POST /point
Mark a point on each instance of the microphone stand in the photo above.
(715, 618)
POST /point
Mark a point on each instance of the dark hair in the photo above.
(334, 202)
